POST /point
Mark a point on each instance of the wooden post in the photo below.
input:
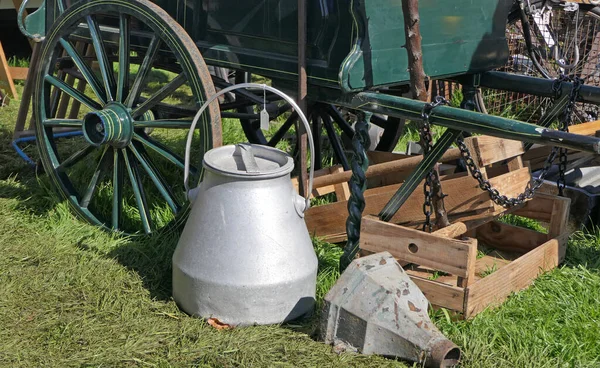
(6, 80)
(302, 92)
(412, 30)
(27, 94)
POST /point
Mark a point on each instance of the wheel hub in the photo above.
(112, 125)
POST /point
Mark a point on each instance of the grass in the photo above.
(72, 296)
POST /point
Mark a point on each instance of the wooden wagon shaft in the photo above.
(469, 121)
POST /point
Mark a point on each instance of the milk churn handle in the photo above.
(288, 99)
(245, 150)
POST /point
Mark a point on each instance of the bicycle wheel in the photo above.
(563, 41)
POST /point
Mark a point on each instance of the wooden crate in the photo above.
(451, 271)
(477, 261)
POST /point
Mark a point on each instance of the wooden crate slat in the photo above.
(439, 294)
(487, 150)
(447, 255)
(464, 197)
(495, 288)
(509, 237)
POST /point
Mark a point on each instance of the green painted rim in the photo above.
(116, 127)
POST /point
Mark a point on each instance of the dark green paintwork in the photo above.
(468, 121)
(351, 44)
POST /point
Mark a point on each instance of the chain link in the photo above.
(534, 185)
(485, 185)
(431, 177)
(565, 121)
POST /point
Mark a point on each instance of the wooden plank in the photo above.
(486, 263)
(342, 190)
(378, 157)
(27, 93)
(487, 150)
(471, 264)
(440, 294)
(385, 168)
(539, 208)
(452, 231)
(588, 128)
(18, 73)
(6, 79)
(515, 163)
(510, 238)
(464, 197)
(560, 217)
(320, 191)
(447, 255)
(495, 288)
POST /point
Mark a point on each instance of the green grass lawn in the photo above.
(72, 296)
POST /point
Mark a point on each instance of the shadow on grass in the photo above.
(584, 249)
(150, 257)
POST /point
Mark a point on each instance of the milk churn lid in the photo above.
(248, 160)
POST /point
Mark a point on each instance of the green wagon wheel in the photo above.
(125, 170)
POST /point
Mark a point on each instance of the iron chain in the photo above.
(485, 185)
(534, 185)
(427, 139)
(565, 121)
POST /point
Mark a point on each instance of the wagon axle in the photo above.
(112, 125)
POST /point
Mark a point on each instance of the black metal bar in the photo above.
(415, 178)
(536, 86)
(467, 121)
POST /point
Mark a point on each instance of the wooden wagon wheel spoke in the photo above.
(85, 70)
(69, 90)
(138, 191)
(157, 179)
(76, 158)
(124, 49)
(143, 71)
(106, 69)
(64, 123)
(124, 172)
(159, 96)
(278, 136)
(117, 180)
(167, 124)
(165, 152)
(96, 178)
(335, 141)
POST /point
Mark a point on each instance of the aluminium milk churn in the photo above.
(245, 256)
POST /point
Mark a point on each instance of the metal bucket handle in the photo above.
(288, 99)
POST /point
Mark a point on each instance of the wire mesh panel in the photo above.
(564, 40)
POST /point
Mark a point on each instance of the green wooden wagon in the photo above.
(130, 74)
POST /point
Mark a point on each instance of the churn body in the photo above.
(245, 255)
